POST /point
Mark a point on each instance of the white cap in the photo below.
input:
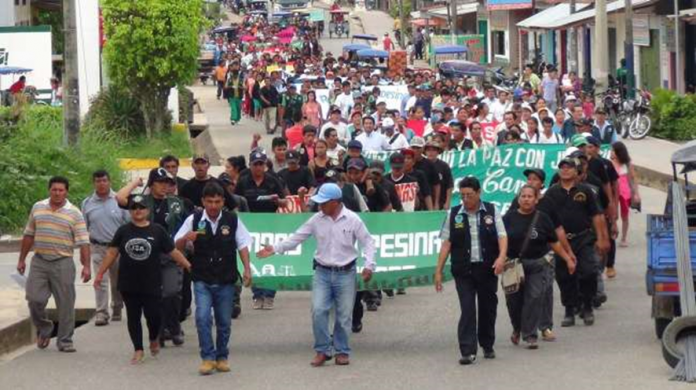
(570, 151)
(387, 122)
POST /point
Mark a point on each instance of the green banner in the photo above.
(407, 245)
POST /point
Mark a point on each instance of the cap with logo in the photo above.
(578, 140)
(160, 175)
(293, 155)
(397, 160)
(257, 156)
(136, 201)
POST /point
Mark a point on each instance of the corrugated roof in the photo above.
(590, 13)
(543, 19)
(442, 12)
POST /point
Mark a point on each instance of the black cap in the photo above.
(573, 162)
(397, 159)
(592, 140)
(160, 175)
(356, 163)
(256, 156)
(292, 155)
(225, 178)
(355, 144)
(136, 201)
(331, 176)
(536, 171)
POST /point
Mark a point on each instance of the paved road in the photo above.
(409, 344)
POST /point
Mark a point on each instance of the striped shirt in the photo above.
(56, 233)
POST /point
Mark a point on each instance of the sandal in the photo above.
(42, 342)
(154, 348)
(515, 338)
(137, 358)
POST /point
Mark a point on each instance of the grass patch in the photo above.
(34, 152)
(175, 143)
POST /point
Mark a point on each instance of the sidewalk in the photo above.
(651, 157)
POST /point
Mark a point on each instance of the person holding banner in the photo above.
(336, 230)
(474, 235)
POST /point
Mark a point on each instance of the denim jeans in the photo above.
(218, 298)
(262, 293)
(332, 289)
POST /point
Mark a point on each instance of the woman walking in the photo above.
(311, 110)
(628, 190)
(530, 234)
(140, 245)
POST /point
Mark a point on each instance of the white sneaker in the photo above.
(268, 303)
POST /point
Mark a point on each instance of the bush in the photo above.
(673, 115)
(115, 110)
(35, 152)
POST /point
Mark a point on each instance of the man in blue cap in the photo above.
(336, 229)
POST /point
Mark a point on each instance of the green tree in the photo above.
(151, 47)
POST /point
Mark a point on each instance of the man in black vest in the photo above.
(217, 236)
(474, 234)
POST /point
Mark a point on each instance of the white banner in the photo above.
(392, 94)
(27, 47)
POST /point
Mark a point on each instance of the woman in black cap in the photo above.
(140, 245)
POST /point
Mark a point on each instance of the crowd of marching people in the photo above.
(181, 239)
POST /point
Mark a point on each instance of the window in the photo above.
(499, 42)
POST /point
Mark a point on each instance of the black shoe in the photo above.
(162, 342)
(401, 291)
(236, 311)
(371, 306)
(588, 317)
(467, 360)
(357, 328)
(389, 293)
(378, 302)
(569, 319)
(599, 299)
(178, 340)
(489, 354)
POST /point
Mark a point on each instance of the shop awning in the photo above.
(442, 12)
(582, 16)
(432, 22)
(545, 18)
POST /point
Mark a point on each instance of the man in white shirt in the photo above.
(334, 150)
(336, 123)
(396, 140)
(489, 98)
(499, 107)
(336, 230)
(371, 140)
(345, 101)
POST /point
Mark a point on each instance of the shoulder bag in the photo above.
(513, 271)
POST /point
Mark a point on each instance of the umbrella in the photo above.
(373, 53)
(247, 38)
(13, 70)
(462, 67)
(368, 37)
(450, 49)
(222, 30)
(356, 47)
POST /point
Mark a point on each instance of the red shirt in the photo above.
(387, 43)
(294, 135)
(17, 87)
(418, 126)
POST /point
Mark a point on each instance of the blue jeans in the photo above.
(219, 298)
(262, 293)
(329, 289)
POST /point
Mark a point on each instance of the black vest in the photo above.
(215, 255)
(460, 239)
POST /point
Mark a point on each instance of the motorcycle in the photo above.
(613, 104)
(639, 123)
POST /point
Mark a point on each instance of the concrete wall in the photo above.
(7, 13)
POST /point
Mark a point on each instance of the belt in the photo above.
(342, 268)
(572, 236)
(95, 242)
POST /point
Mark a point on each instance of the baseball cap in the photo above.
(327, 192)
(578, 140)
(292, 155)
(417, 142)
(377, 165)
(535, 171)
(573, 162)
(201, 157)
(257, 156)
(135, 201)
(225, 178)
(387, 122)
(397, 160)
(592, 140)
(433, 144)
(354, 144)
(356, 163)
(160, 175)
(570, 98)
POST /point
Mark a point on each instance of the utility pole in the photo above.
(71, 90)
(602, 43)
(573, 47)
(402, 25)
(453, 21)
(628, 50)
(677, 46)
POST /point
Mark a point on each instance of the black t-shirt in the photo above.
(246, 187)
(444, 174)
(408, 189)
(611, 171)
(139, 265)
(378, 200)
(160, 212)
(517, 228)
(545, 204)
(193, 192)
(180, 182)
(596, 166)
(429, 170)
(596, 185)
(576, 206)
(293, 180)
(393, 196)
(269, 93)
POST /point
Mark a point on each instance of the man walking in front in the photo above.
(217, 235)
(474, 235)
(103, 217)
(54, 229)
(336, 230)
